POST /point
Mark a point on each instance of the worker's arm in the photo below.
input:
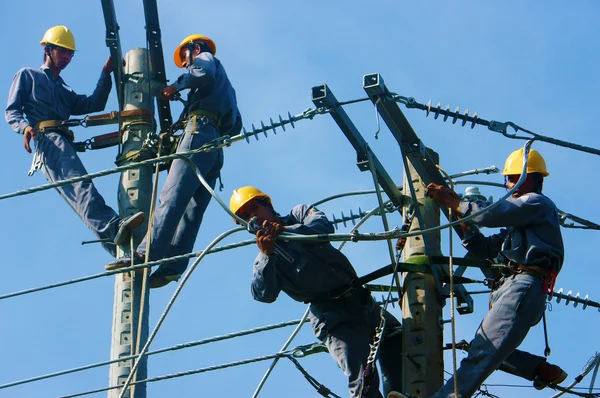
(201, 74)
(19, 90)
(264, 286)
(82, 104)
(483, 246)
(309, 221)
(526, 210)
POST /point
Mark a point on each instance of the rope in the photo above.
(382, 212)
(452, 304)
(180, 286)
(146, 271)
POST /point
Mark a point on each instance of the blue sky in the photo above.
(533, 63)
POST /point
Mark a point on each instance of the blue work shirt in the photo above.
(211, 90)
(531, 236)
(35, 95)
(318, 267)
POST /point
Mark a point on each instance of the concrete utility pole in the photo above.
(422, 362)
(134, 195)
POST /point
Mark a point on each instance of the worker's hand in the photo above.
(169, 92)
(444, 196)
(107, 68)
(28, 134)
(266, 236)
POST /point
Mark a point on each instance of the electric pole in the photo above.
(131, 303)
(422, 362)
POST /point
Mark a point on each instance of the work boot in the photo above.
(125, 261)
(548, 374)
(126, 225)
(396, 394)
(160, 281)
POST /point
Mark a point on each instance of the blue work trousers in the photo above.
(516, 306)
(61, 162)
(183, 200)
(347, 332)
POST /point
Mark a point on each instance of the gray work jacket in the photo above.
(35, 95)
(530, 235)
(318, 267)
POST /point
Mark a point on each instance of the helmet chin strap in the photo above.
(48, 54)
(191, 47)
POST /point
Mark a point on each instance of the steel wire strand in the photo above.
(283, 348)
(354, 237)
(128, 269)
(217, 143)
(159, 351)
(592, 363)
(288, 236)
(170, 304)
(187, 373)
(492, 125)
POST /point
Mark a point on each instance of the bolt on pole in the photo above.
(422, 362)
(134, 195)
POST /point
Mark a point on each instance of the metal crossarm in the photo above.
(323, 97)
(114, 45)
(416, 152)
(157, 60)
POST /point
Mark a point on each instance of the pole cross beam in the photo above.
(157, 60)
(323, 97)
(414, 150)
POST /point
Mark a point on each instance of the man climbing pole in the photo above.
(38, 102)
(211, 110)
(531, 246)
(342, 312)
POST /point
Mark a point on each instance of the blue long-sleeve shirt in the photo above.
(531, 233)
(318, 267)
(35, 95)
(211, 90)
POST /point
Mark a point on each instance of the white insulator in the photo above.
(559, 297)
(569, 297)
(586, 299)
(576, 301)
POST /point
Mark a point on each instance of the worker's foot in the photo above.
(548, 374)
(157, 281)
(126, 225)
(396, 394)
(125, 261)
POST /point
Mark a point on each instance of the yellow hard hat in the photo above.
(535, 163)
(243, 195)
(59, 36)
(188, 40)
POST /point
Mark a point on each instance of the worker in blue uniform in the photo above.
(530, 245)
(211, 111)
(38, 102)
(342, 312)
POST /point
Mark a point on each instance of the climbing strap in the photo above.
(201, 116)
(55, 126)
